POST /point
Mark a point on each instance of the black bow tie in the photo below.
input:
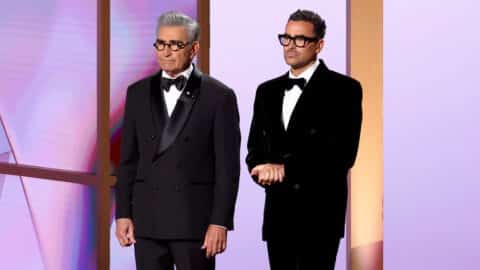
(179, 82)
(301, 82)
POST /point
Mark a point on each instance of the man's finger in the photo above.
(204, 245)
(220, 246)
(224, 245)
(123, 241)
(130, 234)
(212, 247)
(209, 249)
(264, 182)
(262, 177)
(131, 238)
(277, 175)
(257, 169)
(207, 245)
(269, 176)
(274, 175)
(217, 246)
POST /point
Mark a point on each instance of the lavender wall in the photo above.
(432, 135)
(244, 53)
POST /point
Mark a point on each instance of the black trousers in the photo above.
(297, 255)
(154, 254)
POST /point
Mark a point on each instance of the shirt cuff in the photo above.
(220, 226)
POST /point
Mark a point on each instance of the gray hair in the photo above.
(175, 18)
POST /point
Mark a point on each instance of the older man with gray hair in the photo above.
(179, 160)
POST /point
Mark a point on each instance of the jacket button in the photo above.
(152, 137)
(177, 188)
(296, 186)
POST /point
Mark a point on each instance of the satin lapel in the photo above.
(158, 108)
(307, 96)
(182, 111)
(277, 104)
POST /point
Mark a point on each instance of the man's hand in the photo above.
(215, 240)
(124, 232)
(269, 173)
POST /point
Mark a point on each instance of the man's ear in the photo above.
(320, 45)
(195, 49)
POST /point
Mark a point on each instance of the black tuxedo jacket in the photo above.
(177, 175)
(318, 148)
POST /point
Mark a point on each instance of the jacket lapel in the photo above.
(181, 112)
(158, 108)
(277, 103)
(307, 95)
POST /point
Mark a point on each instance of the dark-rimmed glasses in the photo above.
(174, 45)
(299, 41)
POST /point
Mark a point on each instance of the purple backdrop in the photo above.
(431, 135)
(47, 113)
(431, 148)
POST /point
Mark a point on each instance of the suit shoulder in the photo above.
(272, 82)
(347, 84)
(344, 79)
(216, 86)
(270, 85)
(141, 85)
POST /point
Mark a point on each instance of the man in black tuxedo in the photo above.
(179, 161)
(303, 141)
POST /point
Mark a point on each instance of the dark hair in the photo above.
(319, 25)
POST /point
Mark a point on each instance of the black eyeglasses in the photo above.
(299, 41)
(174, 45)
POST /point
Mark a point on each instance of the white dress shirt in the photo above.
(292, 95)
(171, 97)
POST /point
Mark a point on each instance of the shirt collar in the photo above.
(306, 74)
(187, 72)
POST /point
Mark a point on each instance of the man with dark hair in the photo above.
(179, 160)
(303, 140)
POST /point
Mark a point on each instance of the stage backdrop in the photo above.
(432, 132)
(48, 119)
(48, 113)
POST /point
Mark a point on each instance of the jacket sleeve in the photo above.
(129, 156)
(258, 144)
(226, 132)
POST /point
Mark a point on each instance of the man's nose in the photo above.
(167, 51)
(291, 46)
